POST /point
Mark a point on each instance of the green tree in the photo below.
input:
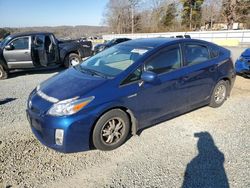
(4, 32)
(191, 15)
(169, 15)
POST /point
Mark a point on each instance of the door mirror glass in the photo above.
(148, 76)
(9, 47)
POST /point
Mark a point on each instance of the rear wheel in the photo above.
(220, 94)
(71, 59)
(3, 73)
(111, 130)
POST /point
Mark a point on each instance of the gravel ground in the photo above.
(210, 146)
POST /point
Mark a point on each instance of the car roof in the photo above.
(123, 38)
(14, 35)
(149, 42)
(157, 42)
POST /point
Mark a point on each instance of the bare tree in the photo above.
(211, 11)
(235, 11)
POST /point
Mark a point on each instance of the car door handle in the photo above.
(185, 78)
(182, 80)
(26, 52)
(212, 69)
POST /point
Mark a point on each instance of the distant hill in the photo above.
(72, 32)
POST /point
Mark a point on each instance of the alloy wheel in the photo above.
(74, 61)
(112, 131)
(220, 94)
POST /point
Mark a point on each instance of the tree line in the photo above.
(67, 32)
(129, 16)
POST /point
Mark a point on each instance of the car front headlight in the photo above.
(242, 59)
(38, 88)
(69, 106)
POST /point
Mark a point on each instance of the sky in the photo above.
(28, 13)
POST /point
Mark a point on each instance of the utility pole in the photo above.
(192, 6)
(133, 4)
(132, 18)
(190, 17)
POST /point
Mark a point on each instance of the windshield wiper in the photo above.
(93, 72)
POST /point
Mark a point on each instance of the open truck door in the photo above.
(40, 56)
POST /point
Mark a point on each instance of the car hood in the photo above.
(69, 84)
(246, 53)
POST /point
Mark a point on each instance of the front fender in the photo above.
(66, 49)
(102, 109)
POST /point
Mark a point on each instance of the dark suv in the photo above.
(38, 49)
(100, 47)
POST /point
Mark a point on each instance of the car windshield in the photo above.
(113, 61)
(5, 41)
(110, 42)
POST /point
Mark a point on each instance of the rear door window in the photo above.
(195, 54)
(214, 51)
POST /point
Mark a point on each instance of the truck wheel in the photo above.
(3, 73)
(71, 59)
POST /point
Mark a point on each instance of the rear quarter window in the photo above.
(195, 54)
(214, 51)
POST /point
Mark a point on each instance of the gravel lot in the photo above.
(170, 154)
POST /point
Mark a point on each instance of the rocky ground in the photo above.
(208, 146)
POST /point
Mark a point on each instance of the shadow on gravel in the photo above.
(206, 170)
(17, 73)
(6, 100)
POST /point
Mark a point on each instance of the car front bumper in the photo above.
(77, 130)
(242, 67)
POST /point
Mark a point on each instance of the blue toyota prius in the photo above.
(242, 65)
(125, 88)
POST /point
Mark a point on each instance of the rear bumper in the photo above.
(77, 130)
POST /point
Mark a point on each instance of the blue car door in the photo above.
(151, 101)
(201, 73)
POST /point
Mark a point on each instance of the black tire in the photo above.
(216, 101)
(103, 126)
(3, 73)
(68, 59)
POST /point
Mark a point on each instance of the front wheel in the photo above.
(111, 130)
(220, 94)
(3, 73)
(71, 59)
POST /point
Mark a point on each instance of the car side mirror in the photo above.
(149, 76)
(9, 47)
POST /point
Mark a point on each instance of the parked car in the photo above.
(126, 88)
(100, 47)
(181, 36)
(38, 49)
(242, 65)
